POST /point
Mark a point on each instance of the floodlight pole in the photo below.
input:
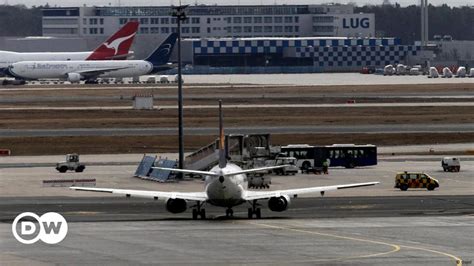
(180, 15)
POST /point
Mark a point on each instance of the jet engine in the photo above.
(433, 73)
(461, 73)
(74, 77)
(176, 205)
(279, 204)
(447, 73)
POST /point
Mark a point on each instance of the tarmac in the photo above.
(422, 230)
(18, 179)
(377, 225)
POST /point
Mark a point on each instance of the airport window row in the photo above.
(268, 29)
(93, 30)
(203, 10)
(235, 29)
(197, 20)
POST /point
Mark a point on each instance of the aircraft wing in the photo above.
(98, 71)
(256, 170)
(184, 171)
(255, 195)
(204, 173)
(196, 196)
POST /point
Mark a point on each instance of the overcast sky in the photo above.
(220, 2)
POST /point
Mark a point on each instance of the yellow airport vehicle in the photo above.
(405, 180)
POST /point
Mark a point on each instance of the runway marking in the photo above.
(395, 246)
(456, 259)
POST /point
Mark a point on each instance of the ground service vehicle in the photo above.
(290, 169)
(347, 155)
(405, 180)
(259, 181)
(451, 164)
(72, 163)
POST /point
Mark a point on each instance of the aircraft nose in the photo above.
(221, 179)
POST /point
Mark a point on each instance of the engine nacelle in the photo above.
(176, 205)
(279, 204)
(447, 72)
(74, 77)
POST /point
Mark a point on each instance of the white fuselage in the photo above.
(61, 69)
(7, 58)
(226, 191)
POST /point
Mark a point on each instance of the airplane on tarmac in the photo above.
(115, 47)
(225, 186)
(75, 71)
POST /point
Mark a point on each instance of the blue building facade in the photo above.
(308, 54)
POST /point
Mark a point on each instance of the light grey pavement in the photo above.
(376, 225)
(321, 79)
(425, 240)
(27, 181)
(313, 79)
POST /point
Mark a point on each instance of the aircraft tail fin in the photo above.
(222, 153)
(161, 55)
(118, 45)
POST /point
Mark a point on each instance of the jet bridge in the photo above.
(240, 149)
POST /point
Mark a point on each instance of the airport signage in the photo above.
(29, 228)
(356, 23)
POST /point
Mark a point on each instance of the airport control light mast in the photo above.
(180, 15)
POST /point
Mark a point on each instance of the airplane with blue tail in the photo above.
(76, 71)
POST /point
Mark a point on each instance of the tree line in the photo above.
(20, 21)
(405, 22)
(390, 21)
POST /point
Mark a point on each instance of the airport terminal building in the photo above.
(213, 21)
(232, 39)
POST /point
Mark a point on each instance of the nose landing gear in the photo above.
(229, 212)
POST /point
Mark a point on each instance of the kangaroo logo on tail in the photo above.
(115, 44)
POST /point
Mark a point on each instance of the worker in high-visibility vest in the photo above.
(326, 166)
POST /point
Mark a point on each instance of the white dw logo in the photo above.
(28, 228)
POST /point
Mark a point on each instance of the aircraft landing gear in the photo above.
(254, 210)
(229, 212)
(198, 211)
